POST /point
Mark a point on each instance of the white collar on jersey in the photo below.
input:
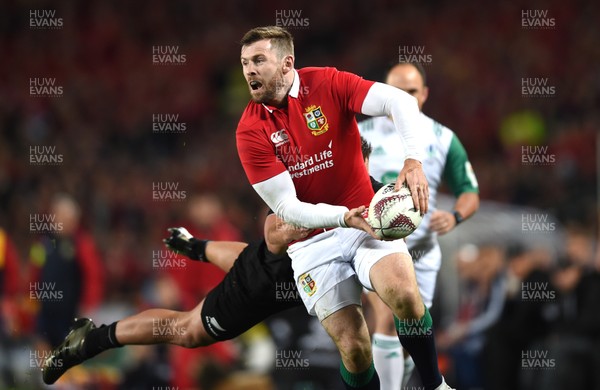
(294, 91)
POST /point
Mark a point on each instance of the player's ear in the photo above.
(287, 63)
(425, 93)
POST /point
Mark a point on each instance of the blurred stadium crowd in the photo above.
(102, 190)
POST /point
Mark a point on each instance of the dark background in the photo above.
(102, 123)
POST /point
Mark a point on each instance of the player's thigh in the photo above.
(226, 312)
(382, 265)
(393, 278)
(190, 329)
(343, 294)
(383, 319)
(223, 254)
(248, 294)
(346, 325)
(387, 268)
(319, 265)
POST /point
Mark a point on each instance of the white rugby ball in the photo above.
(392, 214)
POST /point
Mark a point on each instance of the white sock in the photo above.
(389, 361)
(409, 366)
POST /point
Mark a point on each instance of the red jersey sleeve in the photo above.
(350, 89)
(257, 155)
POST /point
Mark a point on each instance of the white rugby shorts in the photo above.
(323, 261)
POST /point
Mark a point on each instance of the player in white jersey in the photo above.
(446, 160)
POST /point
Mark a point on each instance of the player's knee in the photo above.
(357, 353)
(394, 280)
(405, 302)
(194, 335)
(197, 338)
(355, 350)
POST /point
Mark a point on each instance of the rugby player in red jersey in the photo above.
(299, 145)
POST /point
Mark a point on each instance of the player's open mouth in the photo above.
(255, 85)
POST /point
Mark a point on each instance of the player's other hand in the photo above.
(182, 242)
(442, 222)
(412, 173)
(355, 218)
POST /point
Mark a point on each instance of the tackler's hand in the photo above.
(182, 242)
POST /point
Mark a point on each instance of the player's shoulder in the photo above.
(316, 75)
(253, 114)
(316, 71)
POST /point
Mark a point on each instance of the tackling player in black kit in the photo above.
(246, 296)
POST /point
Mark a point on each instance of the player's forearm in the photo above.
(382, 100)
(223, 253)
(312, 216)
(467, 204)
(279, 194)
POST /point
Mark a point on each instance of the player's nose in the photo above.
(250, 70)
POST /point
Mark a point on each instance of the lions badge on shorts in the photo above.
(316, 120)
(308, 284)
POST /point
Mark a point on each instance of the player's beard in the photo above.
(271, 90)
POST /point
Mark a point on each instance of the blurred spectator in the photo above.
(124, 270)
(67, 278)
(574, 340)
(523, 319)
(482, 297)
(11, 313)
(206, 219)
(10, 284)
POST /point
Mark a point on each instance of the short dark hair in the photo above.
(417, 66)
(366, 148)
(281, 39)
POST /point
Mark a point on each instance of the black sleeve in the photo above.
(376, 185)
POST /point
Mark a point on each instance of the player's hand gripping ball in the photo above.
(392, 215)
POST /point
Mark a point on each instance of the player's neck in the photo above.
(281, 100)
(279, 103)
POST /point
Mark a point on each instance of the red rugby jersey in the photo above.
(315, 138)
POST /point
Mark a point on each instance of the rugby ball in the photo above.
(392, 214)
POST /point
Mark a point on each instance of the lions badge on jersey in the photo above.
(308, 284)
(316, 120)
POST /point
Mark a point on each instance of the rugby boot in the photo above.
(70, 353)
